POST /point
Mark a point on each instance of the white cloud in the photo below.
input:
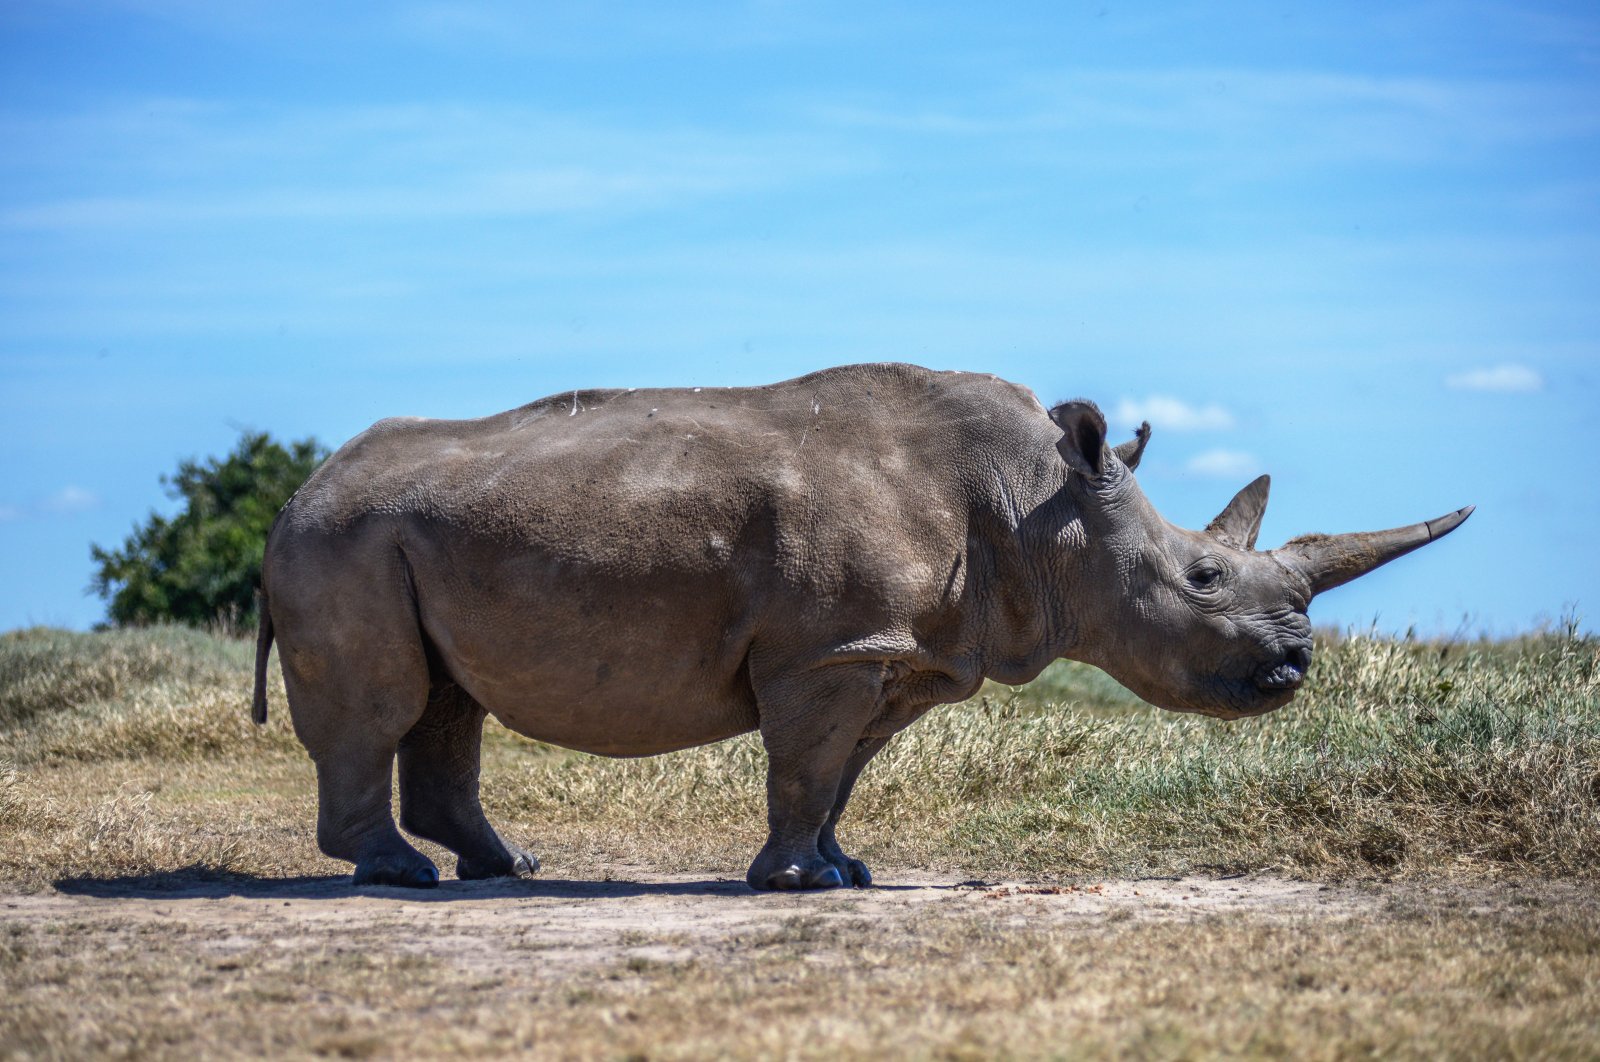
(1224, 464)
(1242, 127)
(1172, 414)
(398, 163)
(1503, 378)
(69, 500)
(567, 29)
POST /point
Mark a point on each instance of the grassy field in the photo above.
(1455, 787)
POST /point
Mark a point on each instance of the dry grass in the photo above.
(128, 754)
(1424, 979)
(1401, 757)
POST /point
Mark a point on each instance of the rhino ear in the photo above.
(1130, 452)
(1240, 523)
(1083, 438)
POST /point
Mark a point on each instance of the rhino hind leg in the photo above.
(439, 766)
(807, 762)
(354, 822)
(357, 682)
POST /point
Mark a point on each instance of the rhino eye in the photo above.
(1205, 577)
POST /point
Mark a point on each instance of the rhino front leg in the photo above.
(440, 759)
(853, 871)
(811, 726)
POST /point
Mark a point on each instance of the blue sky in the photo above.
(1357, 246)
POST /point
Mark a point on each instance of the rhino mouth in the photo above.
(1268, 688)
(1287, 673)
(1271, 686)
(1282, 677)
(1241, 694)
(1253, 700)
(1234, 699)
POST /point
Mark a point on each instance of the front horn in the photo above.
(1328, 561)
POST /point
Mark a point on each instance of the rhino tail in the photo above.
(258, 706)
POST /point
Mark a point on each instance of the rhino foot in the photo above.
(410, 870)
(855, 873)
(515, 863)
(818, 875)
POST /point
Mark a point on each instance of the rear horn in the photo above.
(1240, 523)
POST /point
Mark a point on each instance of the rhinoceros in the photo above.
(629, 572)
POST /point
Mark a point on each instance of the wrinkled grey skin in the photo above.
(822, 560)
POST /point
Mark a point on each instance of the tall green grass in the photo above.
(1400, 756)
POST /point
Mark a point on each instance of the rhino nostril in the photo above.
(1300, 657)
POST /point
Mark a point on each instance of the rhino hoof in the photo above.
(409, 874)
(516, 863)
(858, 876)
(793, 877)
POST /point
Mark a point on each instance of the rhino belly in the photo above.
(613, 710)
(650, 675)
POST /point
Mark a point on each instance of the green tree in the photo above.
(202, 565)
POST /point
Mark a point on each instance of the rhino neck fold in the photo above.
(1026, 623)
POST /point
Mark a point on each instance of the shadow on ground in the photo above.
(199, 882)
(206, 883)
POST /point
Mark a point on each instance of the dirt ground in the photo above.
(467, 925)
(635, 964)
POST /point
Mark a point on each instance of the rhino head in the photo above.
(1202, 621)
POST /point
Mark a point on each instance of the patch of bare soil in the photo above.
(644, 964)
(574, 923)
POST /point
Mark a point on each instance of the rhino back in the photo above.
(641, 477)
